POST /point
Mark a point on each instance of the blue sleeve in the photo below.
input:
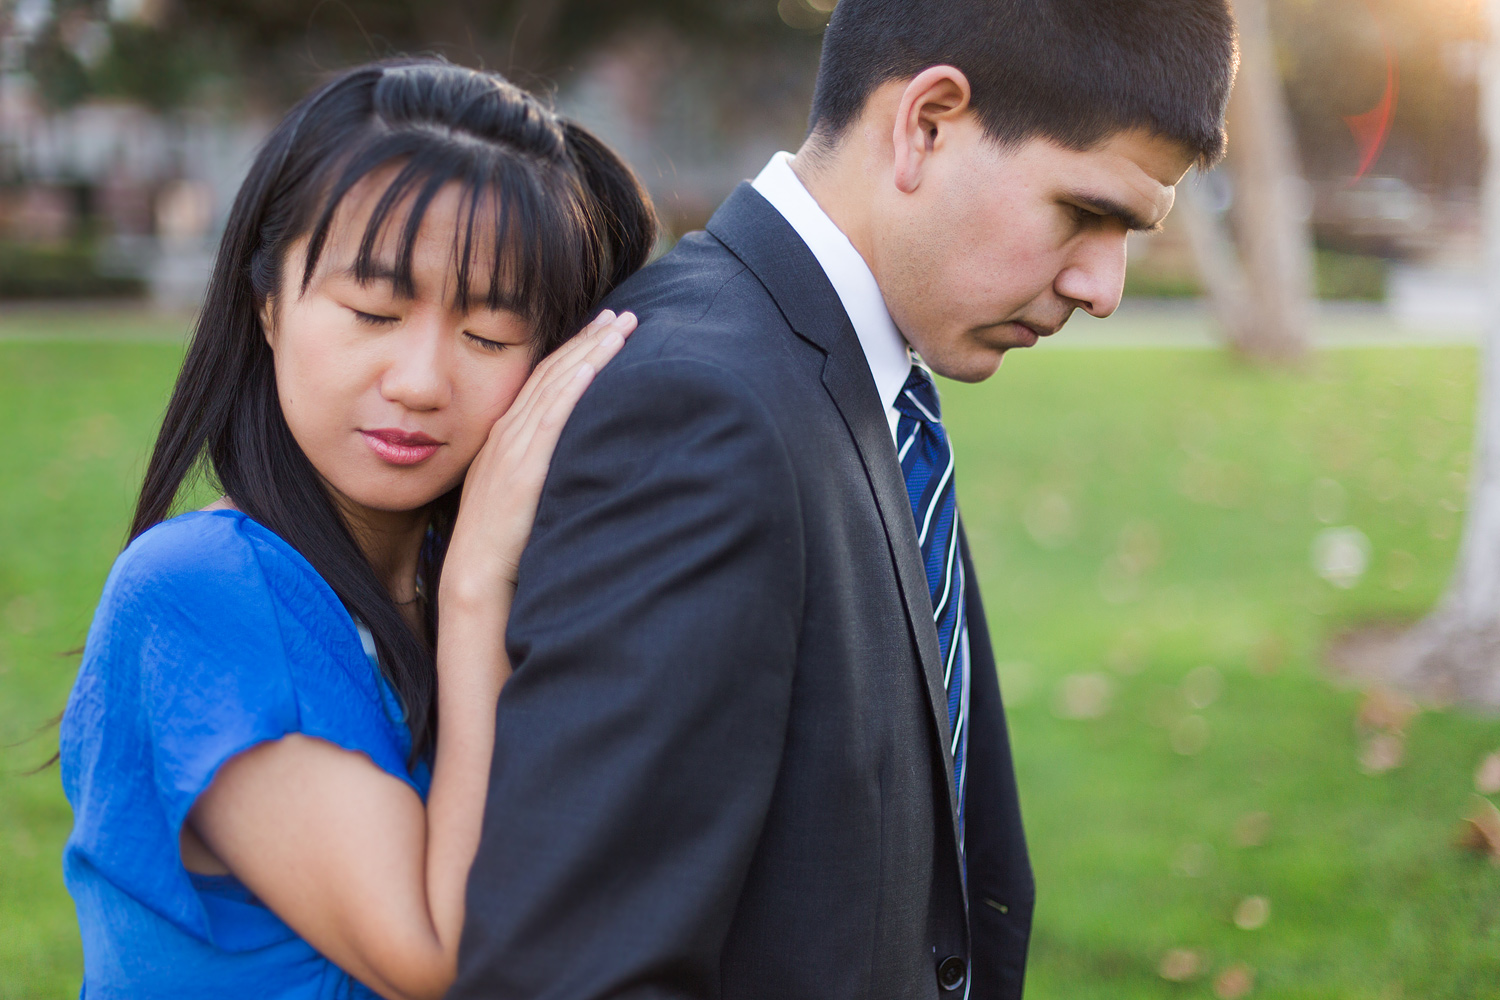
(212, 636)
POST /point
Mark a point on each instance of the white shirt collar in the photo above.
(885, 349)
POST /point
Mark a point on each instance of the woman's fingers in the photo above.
(560, 361)
(504, 484)
(555, 398)
(586, 338)
(595, 334)
(597, 345)
(550, 389)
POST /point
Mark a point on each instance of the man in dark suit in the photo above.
(754, 746)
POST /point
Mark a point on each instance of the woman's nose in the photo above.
(417, 375)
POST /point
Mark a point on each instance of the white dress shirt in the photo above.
(885, 349)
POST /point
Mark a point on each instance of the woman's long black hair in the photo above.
(568, 219)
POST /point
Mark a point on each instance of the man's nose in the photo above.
(1094, 277)
(417, 375)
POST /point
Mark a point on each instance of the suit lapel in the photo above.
(767, 244)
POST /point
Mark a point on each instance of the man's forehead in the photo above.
(1163, 159)
(1132, 175)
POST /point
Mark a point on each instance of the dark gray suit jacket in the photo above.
(721, 767)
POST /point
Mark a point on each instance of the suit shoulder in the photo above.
(679, 391)
(689, 285)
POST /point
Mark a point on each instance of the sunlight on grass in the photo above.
(1145, 524)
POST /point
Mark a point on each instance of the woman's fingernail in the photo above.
(614, 340)
(584, 373)
(608, 316)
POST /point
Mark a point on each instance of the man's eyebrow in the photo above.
(1112, 208)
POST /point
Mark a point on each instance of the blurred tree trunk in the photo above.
(1218, 262)
(1455, 652)
(1259, 282)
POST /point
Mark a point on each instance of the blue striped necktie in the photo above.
(927, 464)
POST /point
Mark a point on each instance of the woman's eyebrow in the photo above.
(1109, 207)
(379, 272)
(479, 298)
(375, 271)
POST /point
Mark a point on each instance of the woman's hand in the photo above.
(504, 484)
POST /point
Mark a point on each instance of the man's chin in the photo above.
(975, 366)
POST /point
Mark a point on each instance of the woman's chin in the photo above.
(401, 493)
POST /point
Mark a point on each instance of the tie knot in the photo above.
(919, 398)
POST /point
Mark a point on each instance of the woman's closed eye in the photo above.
(488, 345)
(371, 319)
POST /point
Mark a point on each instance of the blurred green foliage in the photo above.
(270, 52)
(77, 57)
(60, 271)
(1349, 276)
(1339, 276)
(1147, 282)
(1137, 516)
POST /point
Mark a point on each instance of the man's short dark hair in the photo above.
(1073, 71)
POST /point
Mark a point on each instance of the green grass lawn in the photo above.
(1138, 516)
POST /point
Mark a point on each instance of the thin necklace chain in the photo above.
(420, 593)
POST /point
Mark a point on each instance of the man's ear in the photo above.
(934, 99)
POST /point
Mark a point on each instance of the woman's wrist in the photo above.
(464, 594)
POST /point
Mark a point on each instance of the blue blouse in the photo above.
(213, 635)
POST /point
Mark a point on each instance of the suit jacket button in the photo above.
(952, 972)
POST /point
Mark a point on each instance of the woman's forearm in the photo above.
(346, 854)
(472, 667)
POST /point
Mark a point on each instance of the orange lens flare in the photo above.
(1372, 128)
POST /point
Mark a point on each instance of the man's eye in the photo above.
(370, 319)
(488, 345)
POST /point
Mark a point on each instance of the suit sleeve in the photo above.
(1001, 890)
(638, 742)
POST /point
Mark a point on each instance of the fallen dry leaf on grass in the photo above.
(1481, 831)
(1387, 711)
(1084, 696)
(1252, 913)
(1234, 982)
(1190, 735)
(1252, 829)
(1193, 860)
(1381, 753)
(1202, 687)
(1269, 654)
(1487, 775)
(1180, 964)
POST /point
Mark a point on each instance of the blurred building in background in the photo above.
(126, 125)
(1382, 96)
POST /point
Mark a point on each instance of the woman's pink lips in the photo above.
(400, 447)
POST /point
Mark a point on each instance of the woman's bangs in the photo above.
(516, 246)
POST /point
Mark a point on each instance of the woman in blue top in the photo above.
(276, 750)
